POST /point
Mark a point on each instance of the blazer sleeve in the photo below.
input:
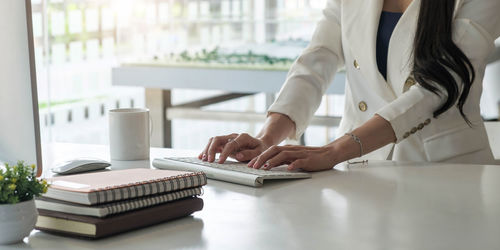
(313, 71)
(476, 25)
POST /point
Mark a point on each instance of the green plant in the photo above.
(18, 183)
(215, 56)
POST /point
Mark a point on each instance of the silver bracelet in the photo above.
(357, 140)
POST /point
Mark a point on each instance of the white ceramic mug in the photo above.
(129, 133)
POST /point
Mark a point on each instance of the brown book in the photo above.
(92, 227)
(109, 186)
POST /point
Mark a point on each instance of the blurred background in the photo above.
(78, 42)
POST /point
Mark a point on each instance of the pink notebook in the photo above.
(108, 186)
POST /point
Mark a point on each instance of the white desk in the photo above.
(381, 206)
(159, 79)
(236, 80)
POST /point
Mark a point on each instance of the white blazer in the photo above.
(346, 37)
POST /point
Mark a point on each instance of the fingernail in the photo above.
(266, 165)
(239, 155)
(204, 156)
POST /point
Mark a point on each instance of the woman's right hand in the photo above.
(242, 147)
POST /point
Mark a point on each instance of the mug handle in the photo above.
(150, 127)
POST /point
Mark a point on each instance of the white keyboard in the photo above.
(235, 166)
(230, 171)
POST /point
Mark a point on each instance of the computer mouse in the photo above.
(80, 165)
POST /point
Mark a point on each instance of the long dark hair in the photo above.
(436, 56)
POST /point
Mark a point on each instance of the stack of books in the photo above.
(100, 204)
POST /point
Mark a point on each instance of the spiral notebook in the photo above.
(109, 186)
(117, 207)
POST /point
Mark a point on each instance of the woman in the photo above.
(414, 80)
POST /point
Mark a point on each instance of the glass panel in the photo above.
(108, 19)
(37, 25)
(91, 20)
(58, 22)
(75, 21)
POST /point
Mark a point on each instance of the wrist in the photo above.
(333, 153)
(343, 149)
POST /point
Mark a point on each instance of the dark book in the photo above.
(92, 227)
(117, 207)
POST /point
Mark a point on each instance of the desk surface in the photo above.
(383, 205)
(230, 80)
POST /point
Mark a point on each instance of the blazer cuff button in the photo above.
(356, 64)
(362, 106)
(406, 135)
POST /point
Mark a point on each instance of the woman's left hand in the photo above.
(297, 157)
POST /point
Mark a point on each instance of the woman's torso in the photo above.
(447, 138)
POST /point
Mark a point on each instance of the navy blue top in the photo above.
(388, 21)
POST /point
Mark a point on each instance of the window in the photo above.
(77, 42)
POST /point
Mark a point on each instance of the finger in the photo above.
(230, 148)
(203, 155)
(204, 151)
(284, 157)
(298, 164)
(234, 145)
(250, 141)
(298, 147)
(216, 146)
(252, 162)
(247, 155)
(266, 155)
